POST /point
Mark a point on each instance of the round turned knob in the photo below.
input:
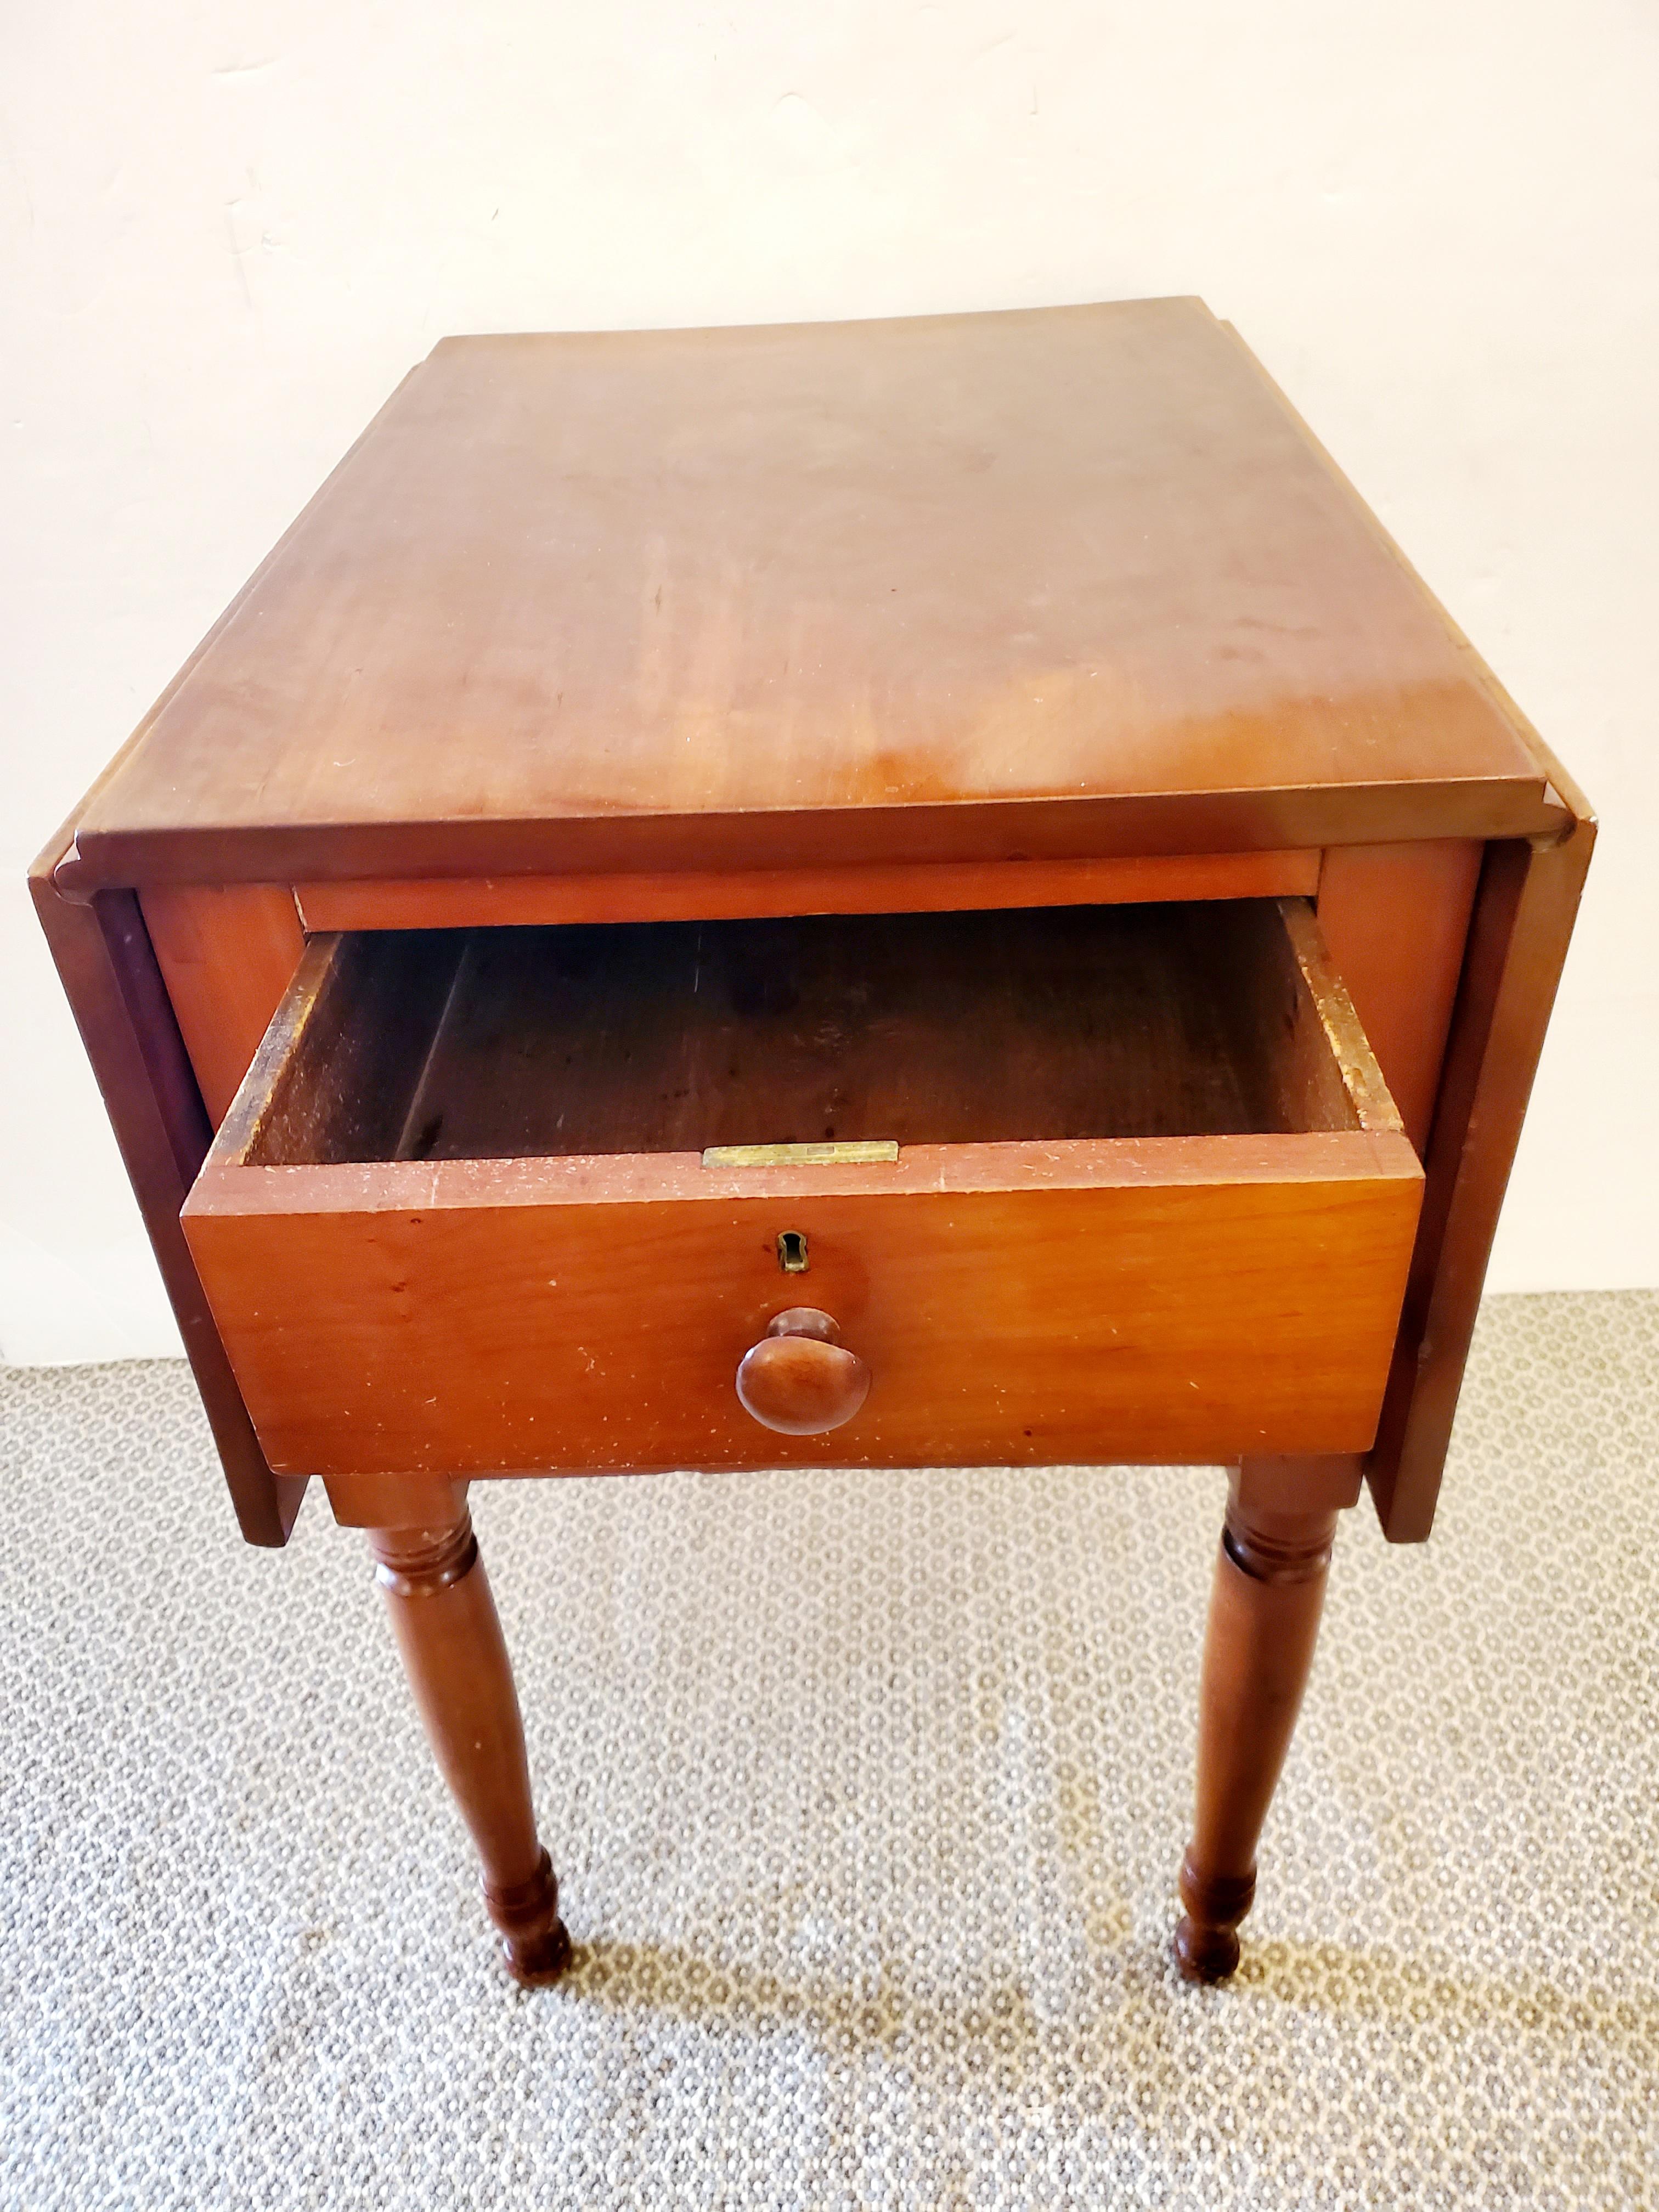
(800, 1379)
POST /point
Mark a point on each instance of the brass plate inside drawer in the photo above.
(855, 1152)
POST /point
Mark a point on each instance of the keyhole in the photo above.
(792, 1253)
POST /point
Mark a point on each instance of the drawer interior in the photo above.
(1211, 1018)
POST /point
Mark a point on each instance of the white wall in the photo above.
(228, 230)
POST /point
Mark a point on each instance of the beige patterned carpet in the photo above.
(868, 1794)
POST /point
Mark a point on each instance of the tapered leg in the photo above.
(1264, 1606)
(445, 1620)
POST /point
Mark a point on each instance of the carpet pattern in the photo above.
(867, 1794)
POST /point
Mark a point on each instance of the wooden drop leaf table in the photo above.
(921, 893)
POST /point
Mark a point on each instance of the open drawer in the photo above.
(1080, 1184)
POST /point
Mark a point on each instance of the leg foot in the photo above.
(1206, 1934)
(534, 1940)
(445, 1621)
(1264, 1618)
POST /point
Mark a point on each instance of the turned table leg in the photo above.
(1264, 1606)
(445, 1621)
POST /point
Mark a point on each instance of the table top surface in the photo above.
(1071, 579)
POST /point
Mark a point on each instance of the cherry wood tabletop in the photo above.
(1071, 581)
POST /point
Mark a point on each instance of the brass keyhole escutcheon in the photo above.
(792, 1253)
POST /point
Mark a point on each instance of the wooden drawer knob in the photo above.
(800, 1379)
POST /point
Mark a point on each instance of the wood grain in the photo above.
(1224, 1017)
(800, 1379)
(1022, 1290)
(694, 895)
(1524, 911)
(337, 1070)
(394, 1501)
(226, 953)
(1273, 677)
(1066, 582)
(438, 1601)
(1395, 919)
(1298, 1485)
(1177, 1298)
(104, 956)
(1265, 1607)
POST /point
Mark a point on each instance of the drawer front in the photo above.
(1179, 1298)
